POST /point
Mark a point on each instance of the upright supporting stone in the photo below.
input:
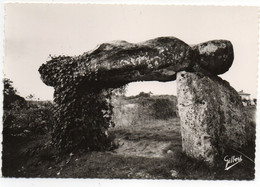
(211, 115)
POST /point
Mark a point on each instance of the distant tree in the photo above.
(11, 98)
(31, 97)
(8, 87)
(143, 94)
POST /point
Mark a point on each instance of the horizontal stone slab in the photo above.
(157, 59)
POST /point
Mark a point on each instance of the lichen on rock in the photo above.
(211, 114)
(215, 56)
(157, 59)
(83, 86)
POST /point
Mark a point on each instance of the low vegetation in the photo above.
(150, 149)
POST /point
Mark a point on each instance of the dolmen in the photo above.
(212, 116)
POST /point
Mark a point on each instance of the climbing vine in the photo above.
(83, 109)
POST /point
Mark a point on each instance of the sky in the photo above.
(33, 31)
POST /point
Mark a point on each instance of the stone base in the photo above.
(211, 114)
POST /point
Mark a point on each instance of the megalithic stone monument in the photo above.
(211, 116)
(211, 112)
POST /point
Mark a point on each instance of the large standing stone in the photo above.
(211, 115)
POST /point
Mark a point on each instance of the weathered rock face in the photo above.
(211, 114)
(157, 59)
(120, 61)
(215, 56)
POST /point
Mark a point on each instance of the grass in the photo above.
(149, 150)
(158, 130)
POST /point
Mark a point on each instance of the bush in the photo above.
(11, 99)
(27, 122)
(143, 94)
(163, 108)
(23, 119)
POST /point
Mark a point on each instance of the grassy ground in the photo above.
(151, 150)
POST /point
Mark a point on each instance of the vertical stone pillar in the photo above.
(211, 116)
(83, 115)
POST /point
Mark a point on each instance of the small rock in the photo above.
(169, 152)
(174, 173)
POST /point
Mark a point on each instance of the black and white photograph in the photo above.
(120, 91)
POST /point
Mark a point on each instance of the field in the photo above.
(148, 147)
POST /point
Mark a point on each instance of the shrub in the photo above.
(27, 122)
(163, 108)
(23, 119)
(11, 99)
(143, 94)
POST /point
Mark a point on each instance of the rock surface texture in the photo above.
(211, 114)
(215, 56)
(210, 109)
(158, 59)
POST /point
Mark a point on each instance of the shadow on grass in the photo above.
(109, 165)
(190, 168)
